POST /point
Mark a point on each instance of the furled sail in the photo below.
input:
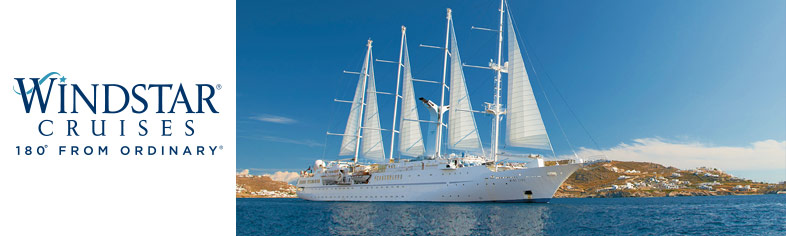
(411, 138)
(462, 130)
(372, 146)
(349, 142)
(524, 124)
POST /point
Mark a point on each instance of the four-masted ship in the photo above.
(432, 174)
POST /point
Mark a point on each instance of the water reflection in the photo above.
(403, 218)
(721, 215)
(453, 219)
(516, 219)
(352, 218)
(436, 218)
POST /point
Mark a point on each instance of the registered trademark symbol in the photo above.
(219, 86)
(221, 147)
(46, 146)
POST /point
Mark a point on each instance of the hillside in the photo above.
(250, 186)
(600, 179)
(643, 179)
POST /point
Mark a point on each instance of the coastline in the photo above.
(622, 195)
(602, 179)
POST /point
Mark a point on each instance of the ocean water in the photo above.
(715, 215)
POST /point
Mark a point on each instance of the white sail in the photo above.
(462, 130)
(411, 138)
(349, 142)
(524, 124)
(371, 143)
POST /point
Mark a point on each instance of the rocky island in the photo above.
(644, 179)
(260, 186)
(599, 179)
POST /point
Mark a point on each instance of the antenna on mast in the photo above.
(497, 107)
(442, 108)
(398, 83)
(362, 100)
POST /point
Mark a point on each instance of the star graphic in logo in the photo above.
(42, 80)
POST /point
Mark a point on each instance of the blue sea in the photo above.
(716, 215)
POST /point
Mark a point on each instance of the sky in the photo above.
(680, 83)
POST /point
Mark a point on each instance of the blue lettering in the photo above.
(92, 104)
(160, 95)
(188, 126)
(207, 99)
(106, 98)
(42, 132)
(62, 98)
(72, 127)
(167, 125)
(181, 92)
(35, 93)
(139, 98)
(122, 128)
(142, 127)
(102, 128)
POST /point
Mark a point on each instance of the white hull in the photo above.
(426, 181)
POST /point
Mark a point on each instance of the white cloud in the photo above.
(305, 142)
(758, 156)
(284, 176)
(274, 119)
(244, 172)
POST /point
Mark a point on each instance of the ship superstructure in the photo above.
(433, 174)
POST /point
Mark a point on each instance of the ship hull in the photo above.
(467, 184)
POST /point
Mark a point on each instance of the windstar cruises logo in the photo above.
(193, 101)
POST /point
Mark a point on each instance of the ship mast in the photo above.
(398, 82)
(362, 102)
(496, 108)
(442, 109)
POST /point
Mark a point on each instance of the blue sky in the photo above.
(705, 81)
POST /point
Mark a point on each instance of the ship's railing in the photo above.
(303, 173)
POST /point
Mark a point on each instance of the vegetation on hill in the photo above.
(600, 179)
(644, 179)
(251, 186)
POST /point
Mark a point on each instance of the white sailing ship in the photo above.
(432, 174)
